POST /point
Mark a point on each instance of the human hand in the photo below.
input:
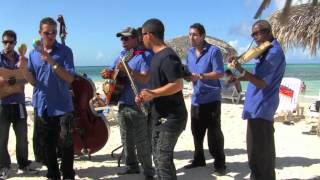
(145, 95)
(121, 67)
(106, 73)
(23, 64)
(193, 77)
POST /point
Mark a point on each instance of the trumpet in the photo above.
(250, 54)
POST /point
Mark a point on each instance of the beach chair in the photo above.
(230, 92)
(288, 95)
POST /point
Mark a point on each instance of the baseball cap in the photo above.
(129, 31)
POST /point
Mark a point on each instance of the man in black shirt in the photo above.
(169, 113)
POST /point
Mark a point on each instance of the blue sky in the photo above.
(92, 25)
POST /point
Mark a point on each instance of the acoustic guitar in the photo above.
(12, 80)
(114, 85)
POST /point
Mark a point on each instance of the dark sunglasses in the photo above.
(145, 33)
(262, 31)
(124, 38)
(6, 42)
(50, 33)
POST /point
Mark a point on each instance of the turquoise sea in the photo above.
(309, 73)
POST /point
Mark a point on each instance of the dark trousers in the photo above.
(163, 143)
(207, 117)
(38, 139)
(261, 149)
(16, 115)
(58, 128)
(134, 131)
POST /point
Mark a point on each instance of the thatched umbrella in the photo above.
(181, 45)
(301, 29)
(285, 11)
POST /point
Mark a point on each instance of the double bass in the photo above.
(91, 130)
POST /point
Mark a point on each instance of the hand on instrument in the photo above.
(139, 100)
(106, 74)
(23, 64)
(120, 66)
(234, 63)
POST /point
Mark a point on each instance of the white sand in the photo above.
(298, 155)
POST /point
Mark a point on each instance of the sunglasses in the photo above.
(145, 33)
(124, 38)
(260, 32)
(8, 42)
(50, 33)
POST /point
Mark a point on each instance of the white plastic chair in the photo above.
(231, 93)
(289, 95)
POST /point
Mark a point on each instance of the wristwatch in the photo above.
(201, 76)
(55, 66)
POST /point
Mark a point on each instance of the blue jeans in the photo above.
(163, 143)
(133, 130)
(17, 115)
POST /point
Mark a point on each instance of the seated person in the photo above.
(231, 80)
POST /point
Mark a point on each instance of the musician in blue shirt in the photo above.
(205, 62)
(261, 103)
(132, 121)
(12, 111)
(50, 70)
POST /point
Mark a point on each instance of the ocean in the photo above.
(309, 73)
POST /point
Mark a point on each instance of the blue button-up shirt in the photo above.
(139, 63)
(51, 93)
(14, 98)
(263, 103)
(210, 60)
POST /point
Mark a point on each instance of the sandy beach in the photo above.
(298, 155)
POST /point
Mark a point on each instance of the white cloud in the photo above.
(239, 47)
(233, 43)
(280, 3)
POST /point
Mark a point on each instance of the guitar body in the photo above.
(7, 75)
(114, 86)
(115, 82)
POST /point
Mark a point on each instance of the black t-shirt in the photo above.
(169, 113)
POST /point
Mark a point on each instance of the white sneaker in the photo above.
(4, 173)
(27, 170)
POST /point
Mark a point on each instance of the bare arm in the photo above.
(213, 75)
(26, 73)
(166, 90)
(210, 75)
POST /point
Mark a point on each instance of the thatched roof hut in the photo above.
(181, 45)
(301, 29)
